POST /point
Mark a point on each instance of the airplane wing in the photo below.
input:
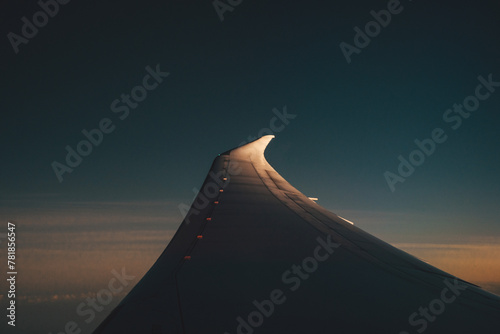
(254, 255)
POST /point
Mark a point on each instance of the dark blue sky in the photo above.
(352, 121)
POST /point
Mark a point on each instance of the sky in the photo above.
(162, 88)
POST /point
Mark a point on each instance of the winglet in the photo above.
(251, 150)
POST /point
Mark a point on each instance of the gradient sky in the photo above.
(119, 207)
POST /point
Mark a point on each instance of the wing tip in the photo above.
(256, 146)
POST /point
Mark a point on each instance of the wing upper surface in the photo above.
(250, 234)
